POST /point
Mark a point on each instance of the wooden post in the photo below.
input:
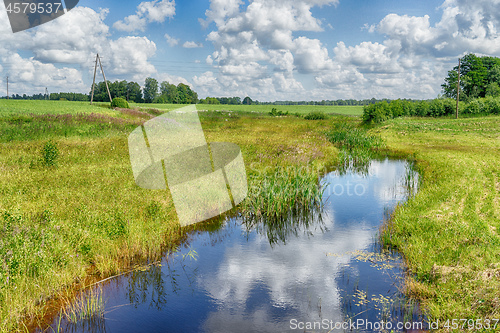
(104, 76)
(458, 86)
(93, 83)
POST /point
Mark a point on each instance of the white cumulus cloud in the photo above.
(192, 45)
(147, 12)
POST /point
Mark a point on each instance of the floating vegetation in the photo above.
(379, 260)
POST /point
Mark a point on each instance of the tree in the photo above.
(474, 77)
(118, 89)
(186, 95)
(247, 101)
(210, 100)
(494, 74)
(100, 92)
(493, 90)
(150, 90)
(134, 92)
(169, 92)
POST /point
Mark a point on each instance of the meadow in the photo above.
(449, 232)
(17, 107)
(291, 109)
(71, 214)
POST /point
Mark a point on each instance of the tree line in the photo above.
(248, 101)
(153, 92)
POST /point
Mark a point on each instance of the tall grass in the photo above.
(43, 126)
(346, 134)
(355, 143)
(283, 201)
(88, 308)
(449, 231)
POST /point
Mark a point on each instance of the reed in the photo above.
(346, 134)
(87, 309)
(283, 202)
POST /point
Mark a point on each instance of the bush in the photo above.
(275, 113)
(376, 113)
(382, 111)
(50, 153)
(475, 107)
(119, 103)
(315, 115)
(492, 105)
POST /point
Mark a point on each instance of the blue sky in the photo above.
(266, 49)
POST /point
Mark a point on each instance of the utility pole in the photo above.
(98, 59)
(458, 86)
(93, 83)
(7, 87)
(104, 76)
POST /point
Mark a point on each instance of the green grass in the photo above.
(87, 308)
(84, 216)
(449, 232)
(265, 109)
(291, 109)
(25, 107)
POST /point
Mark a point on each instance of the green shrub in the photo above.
(119, 103)
(475, 107)
(422, 109)
(275, 113)
(376, 113)
(492, 105)
(50, 153)
(315, 115)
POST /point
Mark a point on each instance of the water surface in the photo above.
(331, 271)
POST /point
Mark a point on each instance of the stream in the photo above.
(330, 275)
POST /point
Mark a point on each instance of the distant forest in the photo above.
(166, 93)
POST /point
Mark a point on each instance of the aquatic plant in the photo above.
(88, 308)
(280, 203)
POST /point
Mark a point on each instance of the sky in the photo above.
(266, 49)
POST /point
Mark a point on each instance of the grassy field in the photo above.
(84, 218)
(16, 107)
(291, 109)
(449, 233)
